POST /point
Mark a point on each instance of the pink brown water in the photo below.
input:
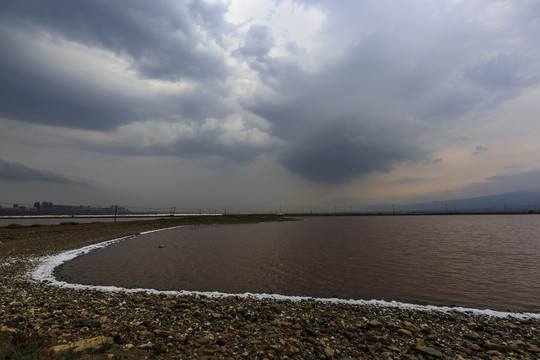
(484, 261)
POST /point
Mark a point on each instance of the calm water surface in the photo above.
(484, 261)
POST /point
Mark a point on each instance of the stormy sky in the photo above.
(251, 106)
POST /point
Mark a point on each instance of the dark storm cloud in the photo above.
(337, 122)
(159, 37)
(35, 91)
(13, 171)
(340, 153)
(373, 87)
(160, 40)
(400, 82)
(31, 91)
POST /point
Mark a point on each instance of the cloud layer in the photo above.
(333, 92)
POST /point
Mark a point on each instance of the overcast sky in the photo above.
(253, 105)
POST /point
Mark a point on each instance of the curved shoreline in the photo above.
(91, 324)
(44, 271)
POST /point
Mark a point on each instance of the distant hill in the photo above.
(520, 201)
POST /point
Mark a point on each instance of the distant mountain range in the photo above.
(520, 201)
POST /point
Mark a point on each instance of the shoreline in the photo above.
(141, 324)
(45, 271)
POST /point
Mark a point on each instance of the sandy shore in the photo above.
(59, 322)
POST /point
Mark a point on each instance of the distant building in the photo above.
(48, 208)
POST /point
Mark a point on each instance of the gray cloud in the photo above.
(336, 158)
(257, 44)
(479, 150)
(33, 92)
(294, 48)
(409, 180)
(13, 171)
(337, 122)
(390, 81)
(499, 72)
(34, 87)
(401, 82)
(28, 93)
(210, 16)
(159, 38)
(505, 183)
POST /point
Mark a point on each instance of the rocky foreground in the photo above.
(65, 323)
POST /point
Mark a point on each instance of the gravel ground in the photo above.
(90, 324)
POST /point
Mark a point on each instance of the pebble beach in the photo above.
(93, 324)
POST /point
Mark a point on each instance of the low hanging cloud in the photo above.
(14, 171)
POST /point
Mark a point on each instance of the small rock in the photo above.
(428, 351)
(206, 339)
(160, 348)
(405, 332)
(293, 350)
(476, 347)
(493, 353)
(328, 352)
(492, 346)
(93, 344)
(310, 332)
(179, 337)
(375, 324)
(8, 330)
(408, 324)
